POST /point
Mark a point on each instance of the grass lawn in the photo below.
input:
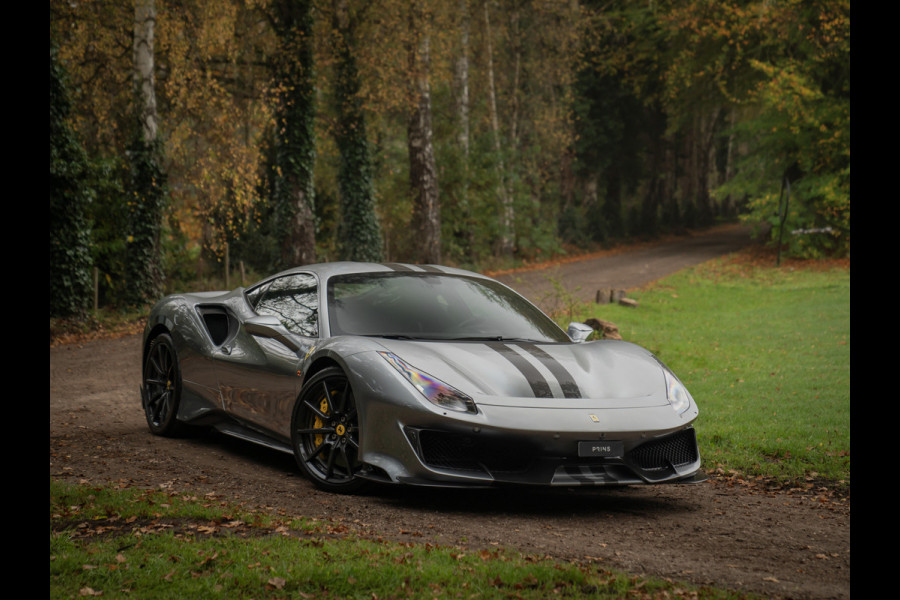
(134, 543)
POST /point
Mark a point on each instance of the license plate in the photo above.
(601, 449)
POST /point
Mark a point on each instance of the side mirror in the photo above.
(268, 326)
(579, 331)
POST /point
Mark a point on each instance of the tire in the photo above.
(162, 387)
(325, 433)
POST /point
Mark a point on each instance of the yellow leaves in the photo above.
(87, 591)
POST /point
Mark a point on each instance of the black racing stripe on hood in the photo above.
(539, 385)
(430, 268)
(565, 379)
(397, 267)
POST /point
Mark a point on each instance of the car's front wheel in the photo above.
(325, 432)
(162, 387)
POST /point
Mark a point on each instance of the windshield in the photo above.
(429, 306)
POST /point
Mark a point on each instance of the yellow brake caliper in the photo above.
(323, 406)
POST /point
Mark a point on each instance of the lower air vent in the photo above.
(471, 453)
(676, 450)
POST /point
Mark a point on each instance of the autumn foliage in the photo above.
(548, 124)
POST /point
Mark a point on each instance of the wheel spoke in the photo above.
(347, 460)
(330, 468)
(154, 362)
(316, 431)
(328, 397)
(343, 396)
(153, 400)
(161, 359)
(317, 452)
(158, 407)
(315, 409)
(166, 359)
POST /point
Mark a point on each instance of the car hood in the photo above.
(513, 373)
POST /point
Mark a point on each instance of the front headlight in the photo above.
(678, 396)
(435, 390)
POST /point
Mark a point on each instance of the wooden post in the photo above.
(227, 269)
(242, 274)
(782, 215)
(96, 289)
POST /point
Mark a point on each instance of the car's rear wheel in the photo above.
(162, 387)
(325, 432)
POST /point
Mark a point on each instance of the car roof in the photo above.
(329, 269)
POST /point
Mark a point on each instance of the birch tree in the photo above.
(507, 212)
(462, 109)
(423, 180)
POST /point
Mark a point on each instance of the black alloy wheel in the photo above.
(325, 432)
(162, 387)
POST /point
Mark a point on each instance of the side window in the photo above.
(293, 300)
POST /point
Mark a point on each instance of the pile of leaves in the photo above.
(95, 326)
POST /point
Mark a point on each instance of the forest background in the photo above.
(465, 132)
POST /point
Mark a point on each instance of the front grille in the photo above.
(470, 453)
(675, 450)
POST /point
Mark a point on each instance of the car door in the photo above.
(259, 376)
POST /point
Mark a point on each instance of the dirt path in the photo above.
(625, 269)
(779, 544)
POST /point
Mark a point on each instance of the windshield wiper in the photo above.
(493, 338)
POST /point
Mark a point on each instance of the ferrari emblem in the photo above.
(595, 418)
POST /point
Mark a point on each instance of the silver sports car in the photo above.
(415, 374)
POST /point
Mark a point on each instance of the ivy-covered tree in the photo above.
(146, 183)
(145, 190)
(359, 233)
(295, 142)
(70, 196)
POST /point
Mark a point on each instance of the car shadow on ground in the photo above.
(532, 501)
(524, 501)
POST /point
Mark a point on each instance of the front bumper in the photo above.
(482, 460)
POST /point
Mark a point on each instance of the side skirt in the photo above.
(242, 433)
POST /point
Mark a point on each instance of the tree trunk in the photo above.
(144, 24)
(516, 38)
(146, 182)
(70, 198)
(461, 100)
(707, 125)
(359, 233)
(295, 146)
(422, 170)
(461, 81)
(507, 214)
